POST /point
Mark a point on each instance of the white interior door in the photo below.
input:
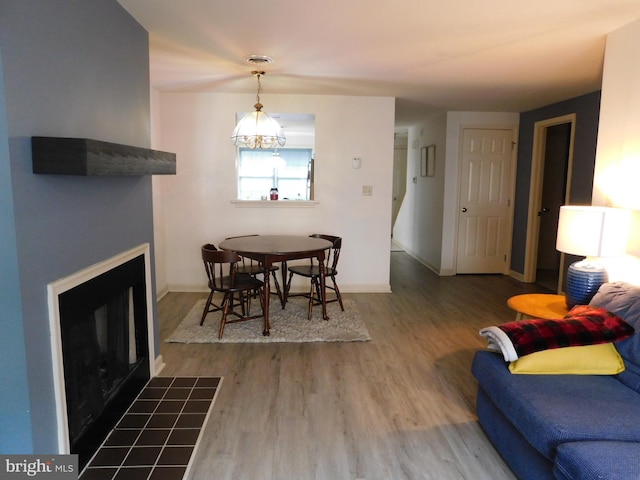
(484, 202)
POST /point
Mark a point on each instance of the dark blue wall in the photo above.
(14, 393)
(587, 109)
(76, 69)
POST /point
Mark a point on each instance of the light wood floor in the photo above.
(399, 407)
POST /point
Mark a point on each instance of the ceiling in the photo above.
(493, 55)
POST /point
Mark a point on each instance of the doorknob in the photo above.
(463, 209)
(544, 210)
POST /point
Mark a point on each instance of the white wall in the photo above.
(197, 202)
(617, 168)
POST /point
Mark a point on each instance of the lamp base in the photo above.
(583, 281)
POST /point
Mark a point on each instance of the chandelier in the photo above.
(257, 129)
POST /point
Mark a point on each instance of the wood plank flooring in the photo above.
(399, 407)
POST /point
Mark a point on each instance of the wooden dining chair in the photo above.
(221, 267)
(253, 268)
(312, 271)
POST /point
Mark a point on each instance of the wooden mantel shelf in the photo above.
(81, 156)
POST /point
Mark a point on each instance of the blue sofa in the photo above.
(567, 426)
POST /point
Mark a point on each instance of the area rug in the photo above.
(287, 326)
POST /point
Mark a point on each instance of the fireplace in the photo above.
(103, 347)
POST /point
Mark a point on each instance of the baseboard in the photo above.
(160, 295)
(159, 365)
(367, 288)
(188, 288)
(446, 272)
(517, 275)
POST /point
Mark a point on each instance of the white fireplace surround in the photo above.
(67, 283)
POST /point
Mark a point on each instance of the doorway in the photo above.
(554, 185)
(399, 187)
(552, 161)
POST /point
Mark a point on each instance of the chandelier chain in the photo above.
(258, 74)
(259, 89)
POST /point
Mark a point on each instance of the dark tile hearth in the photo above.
(156, 438)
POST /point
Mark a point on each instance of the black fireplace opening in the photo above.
(105, 352)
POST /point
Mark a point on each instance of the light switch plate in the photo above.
(367, 190)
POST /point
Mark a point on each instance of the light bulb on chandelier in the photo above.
(257, 129)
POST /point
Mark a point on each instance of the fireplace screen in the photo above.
(104, 351)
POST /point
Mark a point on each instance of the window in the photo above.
(290, 171)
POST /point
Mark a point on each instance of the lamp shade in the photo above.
(592, 231)
(258, 130)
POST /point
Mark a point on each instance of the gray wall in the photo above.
(587, 109)
(77, 69)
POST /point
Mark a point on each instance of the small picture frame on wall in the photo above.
(428, 161)
(431, 161)
(423, 162)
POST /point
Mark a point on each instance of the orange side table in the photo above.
(538, 305)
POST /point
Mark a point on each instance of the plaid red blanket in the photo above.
(583, 325)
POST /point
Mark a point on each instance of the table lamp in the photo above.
(592, 232)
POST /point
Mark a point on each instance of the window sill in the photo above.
(275, 203)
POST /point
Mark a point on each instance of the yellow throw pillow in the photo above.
(601, 359)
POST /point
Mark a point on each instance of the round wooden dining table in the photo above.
(270, 249)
